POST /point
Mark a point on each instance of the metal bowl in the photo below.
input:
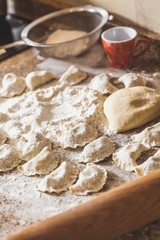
(88, 18)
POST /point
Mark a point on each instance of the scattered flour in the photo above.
(63, 119)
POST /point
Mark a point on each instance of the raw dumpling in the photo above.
(59, 180)
(129, 108)
(91, 179)
(9, 158)
(32, 144)
(132, 80)
(149, 137)
(37, 78)
(72, 76)
(101, 83)
(126, 156)
(97, 150)
(44, 163)
(151, 164)
(79, 135)
(12, 85)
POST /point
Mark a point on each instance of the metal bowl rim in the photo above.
(89, 8)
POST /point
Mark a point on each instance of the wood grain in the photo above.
(110, 215)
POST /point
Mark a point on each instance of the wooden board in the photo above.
(110, 215)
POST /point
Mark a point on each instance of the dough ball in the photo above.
(129, 108)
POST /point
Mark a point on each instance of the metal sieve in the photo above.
(89, 19)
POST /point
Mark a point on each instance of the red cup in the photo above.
(120, 43)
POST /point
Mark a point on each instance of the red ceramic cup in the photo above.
(119, 44)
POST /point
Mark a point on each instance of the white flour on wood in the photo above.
(65, 119)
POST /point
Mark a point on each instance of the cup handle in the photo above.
(142, 40)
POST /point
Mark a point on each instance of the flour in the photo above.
(61, 35)
(67, 46)
(64, 118)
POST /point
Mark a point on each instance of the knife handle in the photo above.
(10, 45)
(107, 216)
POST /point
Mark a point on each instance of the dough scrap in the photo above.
(91, 179)
(132, 80)
(37, 78)
(72, 76)
(101, 83)
(12, 85)
(151, 164)
(129, 108)
(125, 157)
(97, 150)
(79, 135)
(44, 163)
(9, 158)
(32, 144)
(150, 136)
(60, 179)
